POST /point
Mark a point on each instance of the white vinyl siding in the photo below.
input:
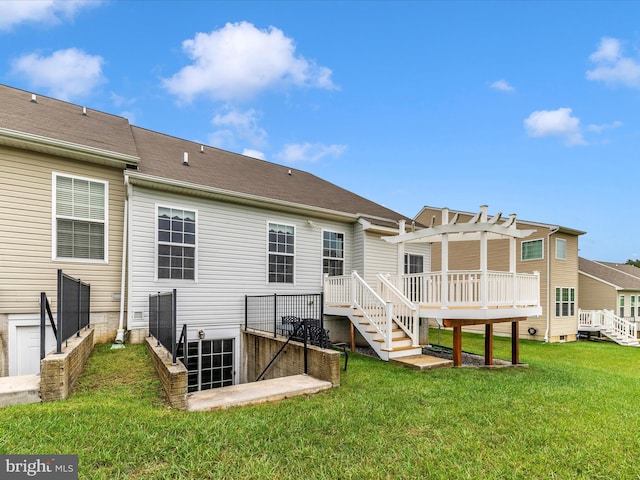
(332, 253)
(533, 249)
(231, 259)
(80, 218)
(380, 257)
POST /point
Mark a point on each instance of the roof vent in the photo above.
(185, 160)
(34, 99)
(201, 148)
(84, 111)
(289, 172)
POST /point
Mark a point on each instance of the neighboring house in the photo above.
(552, 250)
(610, 286)
(61, 207)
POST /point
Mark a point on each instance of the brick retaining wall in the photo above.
(172, 377)
(59, 371)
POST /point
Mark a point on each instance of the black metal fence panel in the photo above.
(278, 314)
(73, 307)
(162, 320)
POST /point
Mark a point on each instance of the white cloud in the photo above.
(14, 12)
(253, 153)
(235, 125)
(502, 85)
(309, 152)
(66, 74)
(239, 61)
(605, 126)
(558, 123)
(612, 67)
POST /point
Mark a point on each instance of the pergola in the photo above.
(482, 229)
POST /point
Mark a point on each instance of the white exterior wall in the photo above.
(380, 257)
(231, 259)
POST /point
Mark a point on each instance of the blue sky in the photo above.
(528, 107)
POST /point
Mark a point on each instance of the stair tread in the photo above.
(399, 349)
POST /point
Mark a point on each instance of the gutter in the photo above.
(125, 228)
(546, 333)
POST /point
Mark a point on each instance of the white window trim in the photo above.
(561, 240)
(407, 256)
(522, 250)
(54, 232)
(295, 251)
(575, 302)
(156, 242)
(344, 250)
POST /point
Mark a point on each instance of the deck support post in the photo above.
(515, 342)
(457, 346)
(488, 344)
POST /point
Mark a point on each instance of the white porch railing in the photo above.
(405, 313)
(465, 288)
(607, 320)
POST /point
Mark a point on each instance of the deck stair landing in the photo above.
(609, 324)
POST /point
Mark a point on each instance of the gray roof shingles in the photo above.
(162, 155)
(58, 120)
(611, 273)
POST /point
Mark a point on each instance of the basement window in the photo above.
(209, 363)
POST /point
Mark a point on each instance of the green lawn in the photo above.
(572, 414)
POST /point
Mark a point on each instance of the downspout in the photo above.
(546, 333)
(120, 333)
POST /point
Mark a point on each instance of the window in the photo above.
(413, 263)
(80, 213)
(281, 250)
(633, 306)
(621, 307)
(565, 301)
(561, 249)
(532, 250)
(176, 243)
(332, 253)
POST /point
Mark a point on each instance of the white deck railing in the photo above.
(471, 288)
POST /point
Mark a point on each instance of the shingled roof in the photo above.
(610, 273)
(38, 122)
(48, 118)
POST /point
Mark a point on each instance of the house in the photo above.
(551, 250)
(610, 299)
(61, 206)
(218, 226)
(135, 212)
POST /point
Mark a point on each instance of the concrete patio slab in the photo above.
(19, 389)
(253, 393)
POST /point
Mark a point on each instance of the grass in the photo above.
(572, 414)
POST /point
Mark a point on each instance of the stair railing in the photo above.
(405, 312)
(620, 326)
(375, 310)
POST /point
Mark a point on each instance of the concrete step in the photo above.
(19, 390)
(272, 390)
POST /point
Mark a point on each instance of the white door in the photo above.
(24, 346)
